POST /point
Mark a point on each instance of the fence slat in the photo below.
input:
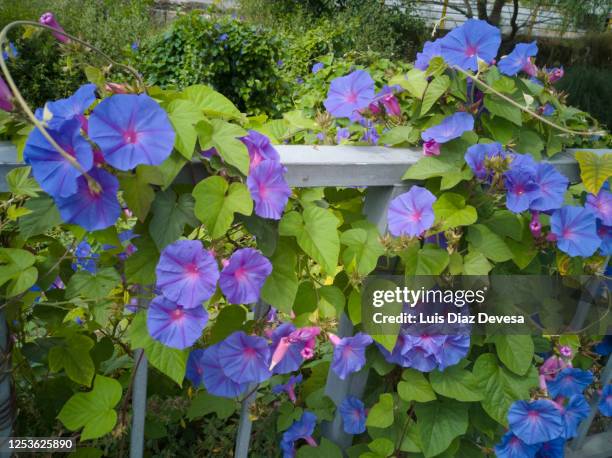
(6, 403)
(139, 404)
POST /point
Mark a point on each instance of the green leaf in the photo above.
(184, 115)
(229, 320)
(300, 121)
(381, 413)
(20, 183)
(438, 86)
(415, 387)
(451, 210)
(281, 286)
(503, 109)
(363, 248)
(354, 307)
(224, 136)
(595, 169)
(216, 203)
(170, 217)
(399, 134)
(44, 216)
(429, 260)
(500, 386)
(316, 233)
(382, 446)
(170, 168)
(415, 82)
(16, 268)
(488, 243)
(169, 361)
(140, 266)
(205, 403)
(331, 301)
(428, 167)
(506, 223)
(456, 383)
(515, 351)
(529, 143)
(93, 411)
(439, 423)
(326, 449)
(138, 194)
(96, 285)
(73, 356)
(210, 102)
(475, 263)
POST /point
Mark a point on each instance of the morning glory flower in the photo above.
(411, 213)
(301, 429)
(92, 210)
(291, 346)
(451, 127)
(551, 188)
(552, 449)
(317, 67)
(431, 49)
(342, 134)
(547, 109)
(215, 379)
(349, 353)
(605, 234)
(476, 155)
(245, 358)
(569, 381)
(187, 273)
(370, 136)
(49, 19)
(512, 447)
(353, 415)
(6, 97)
(86, 260)
(243, 277)
(601, 205)
(576, 410)
(288, 387)
(519, 59)
(11, 53)
(222, 37)
(131, 130)
(52, 171)
(195, 367)
(474, 40)
(521, 188)
(605, 401)
(575, 231)
(454, 348)
(72, 107)
(431, 148)
(555, 74)
(269, 189)
(174, 325)
(259, 148)
(349, 94)
(536, 421)
(604, 348)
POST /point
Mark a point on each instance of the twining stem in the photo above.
(93, 184)
(525, 109)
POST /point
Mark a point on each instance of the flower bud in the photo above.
(391, 104)
(6, 97)
(49, 19)
(431, 148)
(556, 74)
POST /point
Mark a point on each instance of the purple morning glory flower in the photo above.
(371, 136)
(397, 356)
(215, 379)
(92, 210)
(349, 94)
(453, 350)
(411, 213)
(519, 59)
(131, 130)
(245, 358)
(342, 134)
(353, 415)
(174, 325)
(195, 367)
(243, 277)
(431, 148)
(72, 107)
(521, 188)
(52, 171)
(476, 156)
(291, 359)
(512, 447)
(269, 189)
(552, 449)
(187, 273)
(555, 74)
(605, 234)
(431, 49)
(576, 410)
(605, 401)
(317, 67)
(547, 109)
(474, 39)
(49, 20)
(575, 231)
(301, 429)
(601, 205)
(536, 421)
(288, 387)
(259, 148)
(349, 353)
(569, 381)
(451, 127)
(420, 353)
(551, 188)
(86, 260)
(6, 97)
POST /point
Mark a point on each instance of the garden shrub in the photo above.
(238, 59)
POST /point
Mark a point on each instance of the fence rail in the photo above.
(379, 170)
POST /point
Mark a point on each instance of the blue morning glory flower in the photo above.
(521, 188)
(222, 37)
(569, 381)
(244, 275)
(72, 107)
(601, 204)
(576, 410)
(451, 127)
(519, 59)
(552, 449)
(195, 367)
(268, 188)
(245, 358)
(349, 94)
(605, 234)
(536, 421)
(342, 134)
(476, 156)
(288, 387)
(11, 53)
(547, 109)
(173, 325)
(431, 49)
(349, 353)
(215, 379)
(512, 447)
(605, 401)
(353, 415)
(301, 429)
(318, 66)
(551, 188)
(576, 231)
(411, 213)
(473, 40)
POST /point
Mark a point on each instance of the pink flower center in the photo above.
(471, 51)
(177, 314)
(249, 352)
(130, 136)
(263, 191)
(192, 270)
(351, 97)
(533, 415)
(567, 234)
(416, 216)
(240, 273)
